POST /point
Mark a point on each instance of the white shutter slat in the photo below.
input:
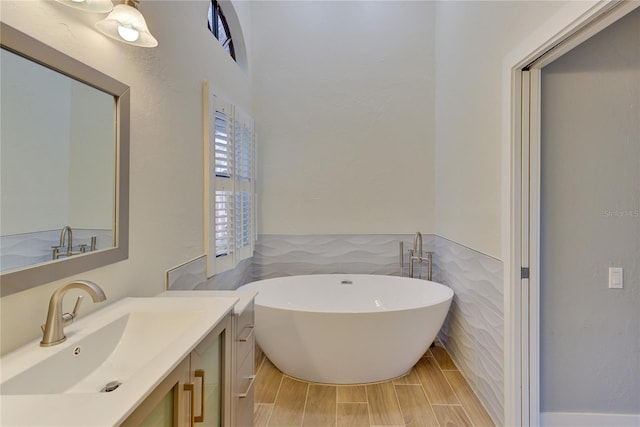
(223, 222)
(223, 141)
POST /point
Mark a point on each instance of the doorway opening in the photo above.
(523, 261)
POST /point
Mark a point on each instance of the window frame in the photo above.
(214, 18)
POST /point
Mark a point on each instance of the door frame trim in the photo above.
(573, 24)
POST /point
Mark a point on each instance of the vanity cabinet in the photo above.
(238, 375)
(198, 391)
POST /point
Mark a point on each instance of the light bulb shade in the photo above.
(124, 23)
(97, 6)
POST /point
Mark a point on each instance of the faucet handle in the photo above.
(76, 307)
(68, 317)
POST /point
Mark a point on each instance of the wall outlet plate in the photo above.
(615, 277)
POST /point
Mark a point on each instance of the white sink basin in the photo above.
(134, 342)
(112, 353)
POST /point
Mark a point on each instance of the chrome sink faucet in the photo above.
(53, 329)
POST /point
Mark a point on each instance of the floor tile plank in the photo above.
(411, 378)
(415, 407)
(289, 406)
(435, 384)
(261, 414)
(451, 416)
(442, 357)
(267, 383)
(469, 400)
(383, 404)
(353, 415)
(352, 393)
(320, 409)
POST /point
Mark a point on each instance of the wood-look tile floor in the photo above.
(433, 393)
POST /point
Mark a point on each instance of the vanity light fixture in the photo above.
(126, 24)
(98, 6)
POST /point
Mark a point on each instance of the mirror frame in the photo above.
(29, 277)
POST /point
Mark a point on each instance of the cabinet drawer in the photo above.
(244, 346)
(244, 336)
(244, 373)
(244, 410)
(244, 320)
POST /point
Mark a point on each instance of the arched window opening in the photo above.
(220, 28)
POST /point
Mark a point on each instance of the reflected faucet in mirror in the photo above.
(53, 329)
(66, 235)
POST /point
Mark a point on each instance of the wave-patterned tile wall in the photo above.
(231, 279)
(187, 276)
(289, 255)
(473, 332)
(192, 275)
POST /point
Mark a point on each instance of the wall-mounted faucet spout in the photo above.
(53, 329)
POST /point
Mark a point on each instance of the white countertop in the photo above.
(244, 297)
(105, 409)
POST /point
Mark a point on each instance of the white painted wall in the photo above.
(473, 38)
(343, 101)
(166, 141)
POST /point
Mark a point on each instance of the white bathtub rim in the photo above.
(445, 291)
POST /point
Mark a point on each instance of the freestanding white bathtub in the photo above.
(347, 328)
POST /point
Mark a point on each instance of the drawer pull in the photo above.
(190, 388)
(252, 378)
(246, 334)
(199, 373)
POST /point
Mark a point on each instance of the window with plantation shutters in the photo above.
(229, 184)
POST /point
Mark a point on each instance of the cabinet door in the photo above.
(211, 377)
(167, 405)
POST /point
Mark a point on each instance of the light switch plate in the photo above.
(615, 278)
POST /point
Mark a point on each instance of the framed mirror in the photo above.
(64, 152)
